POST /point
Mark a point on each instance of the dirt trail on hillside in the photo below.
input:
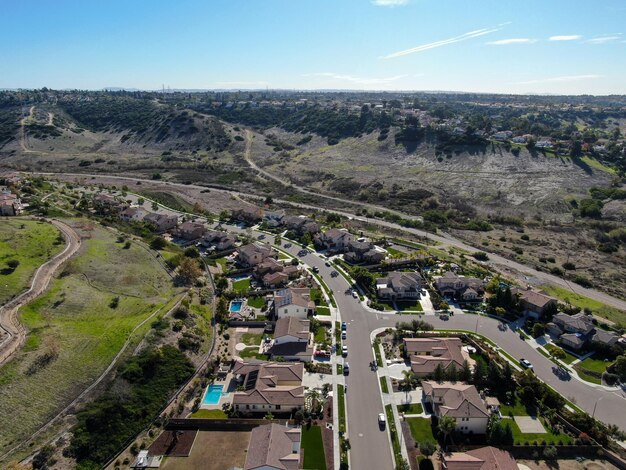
(9, 321)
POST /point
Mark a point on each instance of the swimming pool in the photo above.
(213, 395)
(235, 306)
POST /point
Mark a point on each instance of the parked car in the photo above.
(346, 368)
(287, 245)
(334, 274)
(444, 317)
(525, 363)
(344, 350)
(327, 264)
(316, 269)
(355, 294)
(261, 237)
(344, 335)
(381, 420)
(344, 326)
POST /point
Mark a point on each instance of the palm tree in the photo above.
(446, 426)
(315, 397)
(406, 384)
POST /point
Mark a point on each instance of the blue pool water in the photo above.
(212, 395)
(235, 305)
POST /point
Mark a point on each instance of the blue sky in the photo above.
(502, 46)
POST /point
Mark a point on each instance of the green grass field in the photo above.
(313, 445)
(252, 339)
(421, 429)
(74, 333)
(615, 315)
(32, 246)
(568, 357)
(411, 408)
(591, 369)
(256, 302)
(529, 438)
(209, 414)
(324, 311)
(241, 285)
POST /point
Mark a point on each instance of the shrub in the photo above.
(481, 256)
(569, 266)
(115, 301)
(13, 264)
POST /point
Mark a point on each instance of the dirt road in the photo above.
(9, 322)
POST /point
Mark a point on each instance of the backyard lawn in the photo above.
(209, 414)
(241, 285)
(313, 446)
(75, 328)
(320, 335)
(256, 302)
(32, 246)
(421, 429)
(549, 437)
(252, 339)
(515, 409)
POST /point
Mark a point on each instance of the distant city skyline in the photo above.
(487, 46)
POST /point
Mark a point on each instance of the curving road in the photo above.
(9, 321)
(496, 262)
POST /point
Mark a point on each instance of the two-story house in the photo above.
(133, 214)
(334, 240)
(293, 340)
(161, 222)
(248, 215)
(218, 241)
(459, 401)
(191, 230)
(534, 303)
(400, 286)
(466, 289)
(293, 302)
(426, 354)
(254, 253)
(363, 252)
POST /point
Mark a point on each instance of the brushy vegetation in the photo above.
(31, 244)
(73, 333)
(107, 423)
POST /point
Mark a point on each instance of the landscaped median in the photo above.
(344, 444)
(329, 293)
(383, 384)
(393, 432)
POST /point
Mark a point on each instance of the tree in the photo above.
(13, 264)
(155, 206)
(428, 447)
(557, 353)
(439, 374)
(158, 243)
(446, 426)
(406, 384)
(189, 271)
(221, 310)
(550, 453)
(192, 252)
(620, 367)
(465, 375)
(452, 373)
(538, 330)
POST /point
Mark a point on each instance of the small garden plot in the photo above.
(411, 408)
(256, 302)
(323, 311)
(241, 286)
(251, 339)
(313, 447)
(591, 369)
(421, 429)
(568, 357)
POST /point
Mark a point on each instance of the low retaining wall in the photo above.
(202, 424)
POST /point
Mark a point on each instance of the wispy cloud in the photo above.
(390, 3)
(567, 78)
(571, 37)
(506, 42)
(444, 42)
(357, 80)
(605, 38)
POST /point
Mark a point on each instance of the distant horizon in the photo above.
(300, 90)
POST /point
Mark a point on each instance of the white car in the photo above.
(344, 350)
(355, 294)
(381, 420)
(525, 363)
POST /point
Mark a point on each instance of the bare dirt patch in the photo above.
(213, 451)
